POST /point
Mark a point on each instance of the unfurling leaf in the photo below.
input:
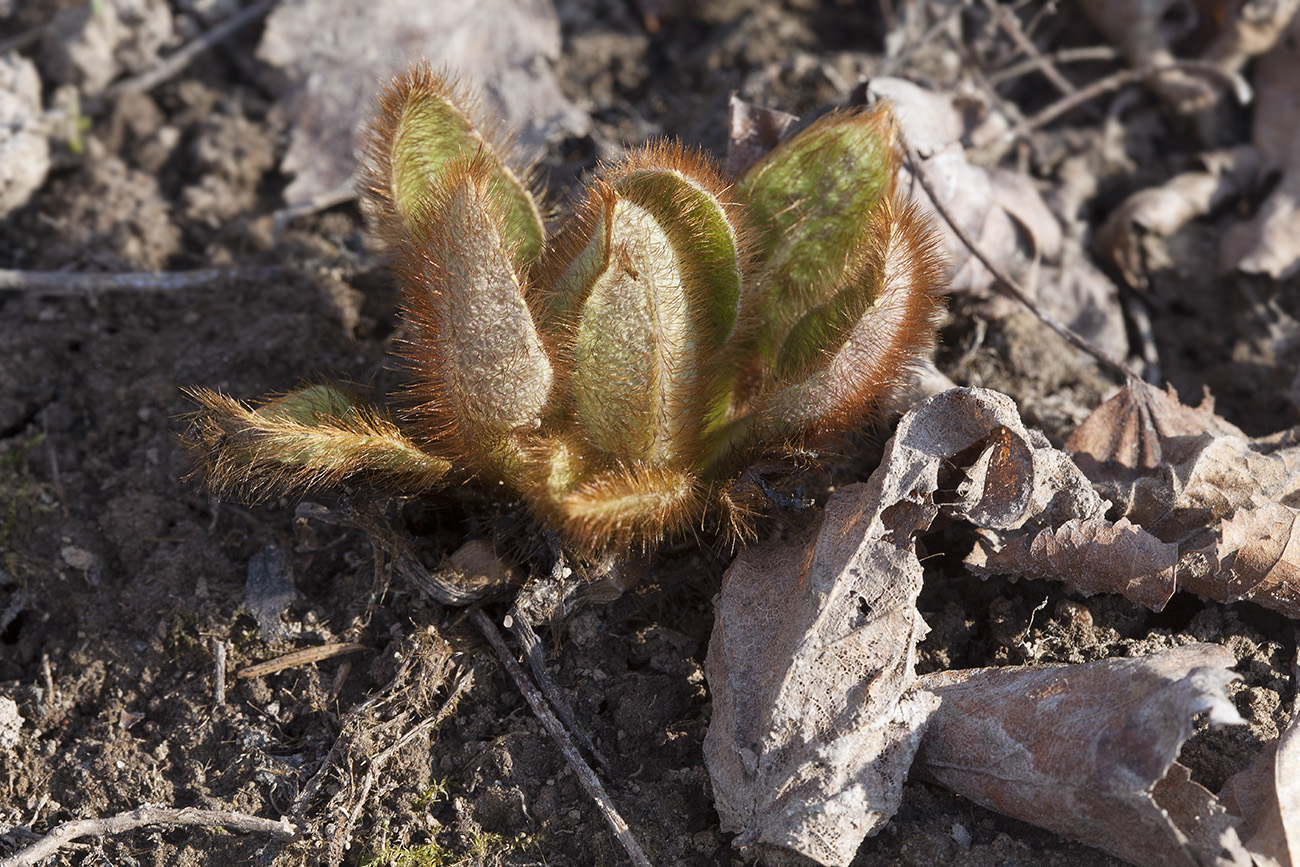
(479, 370)
(811, 220)
(855, 350)
(660, 304)
(421, 131)
(310, 438)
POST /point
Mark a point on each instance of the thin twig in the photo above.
(1007, 285)
(523, 632)
(1084, 54)
(23, 40)
(342, 840)
(1011, 24)
(306, 656)
(219, 663)
(586, 775)
(167, 816)
(47, 675)
(150, 78)
(1123, 78)
(73, 283)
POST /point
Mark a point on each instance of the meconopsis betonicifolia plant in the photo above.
(620, 375)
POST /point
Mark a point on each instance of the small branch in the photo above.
(306, 656)
(1125, 77)
(141, 817)
(586, 775)
(1084, 54)
(1011, 24)
(1007, 285)
(523, 632)
(72, 283)
(23, 40)
(219, 664)
(150, 78)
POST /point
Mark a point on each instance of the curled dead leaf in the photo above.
(810, 665)
(1266, 797)
(1257, 558)
(754, 132)
(815, 711)
(1161, 211)
(1092, 556)
(1088, 751)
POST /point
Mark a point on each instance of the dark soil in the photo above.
(119, 575)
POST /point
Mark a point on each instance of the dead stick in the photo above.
(1123, 78)
(1011, 24)
(523, 632)
(138, 818)
(72, 283)
(1065, 55)
(182, 58)
(1008, 285)
(586, 775)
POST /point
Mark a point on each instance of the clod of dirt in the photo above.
(24, 149)
(11, 724)
(91, 44)
(113, 218)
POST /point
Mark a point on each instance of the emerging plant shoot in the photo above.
(621, 375)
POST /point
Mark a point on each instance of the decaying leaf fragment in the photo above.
(1267, 243)
(333, 51)
(1266, 797)
(1092, 556)
(1161, 211)
(1191, 479)
(1256, 557)
(815, 712)
(1088, 751)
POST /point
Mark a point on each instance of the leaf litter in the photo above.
(818, 712)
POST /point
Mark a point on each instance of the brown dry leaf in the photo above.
(1177, 471)
(1122, 440)
(1092, 556)
(1161, 211)
(1191, 479)
(1270, 243)
(999, 209)
(815, 712)
(1088, 751)
(1257, 558)
(1266, 797)
(754, 132)
(337, 53)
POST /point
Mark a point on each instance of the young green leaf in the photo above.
(810, 198)
(901, 271)
(421, 131)
(479, 370)
(311, 438)
(647, 373)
